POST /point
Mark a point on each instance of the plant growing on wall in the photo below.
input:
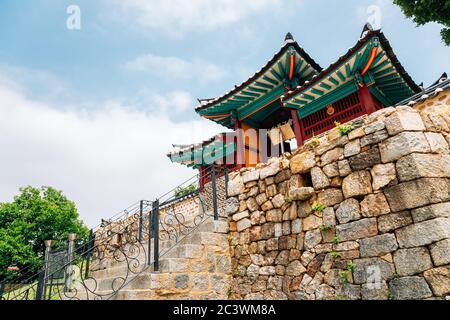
(344, 129)
(318, 207)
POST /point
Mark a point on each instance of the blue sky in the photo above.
(129, 79)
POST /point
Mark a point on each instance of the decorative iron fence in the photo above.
(129, 244)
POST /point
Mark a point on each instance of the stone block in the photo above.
(331, 170)
(374, 138)
(375, 205)
(278, 201)
(319, 179)
(329, 218)
(417, 165)
(250, 175)
(311, 222)
(301, 194)
(404, 120)
(440, 252)
(352, 148)
(375, 291)
(344, 168)
(430, 212)
(417, 193)
(243, 224)
(374, 126)
(330, 197)
(403, 144)
(412, 261)
(231, 206)
(303, 162)
(439, 280)
(267, 271)
(393, 221)
(240, 215)
(357, 184)
(297, 226)
(365, 160)
(348, 210)
(368, 269)
(235, 186)
(312, 239)
(423, 233)
(357, 230)
(331, 156)
(261, 198)
(377, 245)
(357, 133)
(252, 205)
(409, 288)
(274, 215)
(295, 268)
(181, 281)
(303, 209)
(270, 170)
(383, 175)
(437, 142)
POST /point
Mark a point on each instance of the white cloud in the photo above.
(180, 16)
(175, 68)
(103, 159)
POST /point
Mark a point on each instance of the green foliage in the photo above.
(325, 227)
(34, 216)
(424, 11)
(344, 276)
(335, 255)
(336, 240)
(229, 292)
(183, 191)
(344, 129)
(350, 266)
(318, 207)
(314, 142)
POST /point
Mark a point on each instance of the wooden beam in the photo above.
(263, 85)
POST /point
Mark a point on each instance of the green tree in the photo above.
(424, 11)
(34, 216)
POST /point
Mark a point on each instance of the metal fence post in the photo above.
(156, 235)
(40, 292)
(150, 235)
(69, 266)
(141, 211)
(214, 192)
(225, 171)
(89, 252)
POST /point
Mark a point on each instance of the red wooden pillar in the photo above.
(367, 100)
(240, 151)
(297, 128)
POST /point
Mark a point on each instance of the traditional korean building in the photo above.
(292, 91)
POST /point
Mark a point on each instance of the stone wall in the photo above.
(359, 216)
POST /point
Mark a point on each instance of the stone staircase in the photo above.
(196, 266)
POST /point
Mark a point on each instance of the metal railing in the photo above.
(132, 242)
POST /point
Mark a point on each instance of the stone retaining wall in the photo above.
(360, 216)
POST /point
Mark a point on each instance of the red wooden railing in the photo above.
(345, 110)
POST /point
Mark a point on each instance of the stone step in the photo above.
(186, 251)
(173, 265)
(132, 282)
